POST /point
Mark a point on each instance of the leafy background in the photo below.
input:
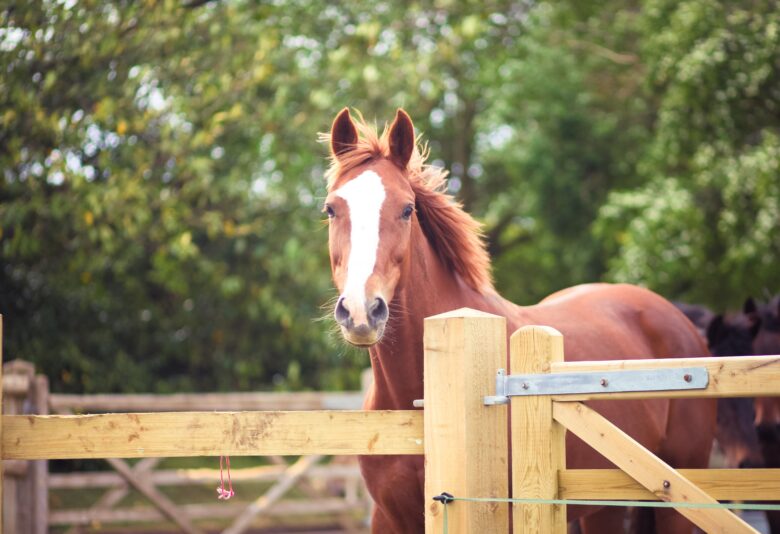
(160, 225)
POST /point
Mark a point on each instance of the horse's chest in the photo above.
(396, 484)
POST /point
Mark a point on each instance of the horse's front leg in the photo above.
(396, 483)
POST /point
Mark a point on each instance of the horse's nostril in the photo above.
(377, 313)
(342, 313)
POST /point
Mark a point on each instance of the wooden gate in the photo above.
(539, 424)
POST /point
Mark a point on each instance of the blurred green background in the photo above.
(160, 225)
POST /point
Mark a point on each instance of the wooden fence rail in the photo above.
(29, 481)
(187, 434)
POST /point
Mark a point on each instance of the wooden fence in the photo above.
(465, 442)
(332, 487)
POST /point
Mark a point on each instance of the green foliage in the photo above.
(150, 240)
(159, 204)
(705, 224)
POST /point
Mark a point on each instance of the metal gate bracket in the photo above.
(684, 378)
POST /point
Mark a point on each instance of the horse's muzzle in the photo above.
(362, 324)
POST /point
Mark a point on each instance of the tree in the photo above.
(161, 189)
(705, 223)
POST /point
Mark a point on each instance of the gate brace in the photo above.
(596, 382)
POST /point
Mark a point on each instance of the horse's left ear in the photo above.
(401, 138)
(715, 330)
(343, 134)
(755, 326)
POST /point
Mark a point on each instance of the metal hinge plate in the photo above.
(684, 378)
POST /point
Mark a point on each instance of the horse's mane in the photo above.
(455, 235)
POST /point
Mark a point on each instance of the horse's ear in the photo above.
(343, 134)
(755, 325)
(401, 138)
(715, 330)
(749, 307)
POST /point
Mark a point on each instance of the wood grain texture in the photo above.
(647, 469)
(538, 446)
(466, 445)
(721, 484)
(137, 435)
(203, 402)
(734, 376)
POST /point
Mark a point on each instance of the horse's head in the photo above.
(767, 340)
(732, 335)
(371, 210)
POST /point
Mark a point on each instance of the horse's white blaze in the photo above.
(365, 196)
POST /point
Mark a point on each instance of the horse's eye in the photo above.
(407, 213)
(329, 211)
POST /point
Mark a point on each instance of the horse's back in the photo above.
(616, 321)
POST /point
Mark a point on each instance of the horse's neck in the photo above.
(426, 288)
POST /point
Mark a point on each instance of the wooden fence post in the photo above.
(40, 468)
(465, 441)
(538, 442)
(18, 481)
(1, 425)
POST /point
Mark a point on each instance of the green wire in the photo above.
(641, 504)
(644, 504)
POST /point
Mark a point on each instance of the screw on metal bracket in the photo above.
(687, 377)
(604, 382)
(525, 385)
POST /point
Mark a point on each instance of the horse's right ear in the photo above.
(749, 307)
(401, 138)
(343, 134)
(715, 330)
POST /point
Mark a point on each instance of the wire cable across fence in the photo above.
(446, 498)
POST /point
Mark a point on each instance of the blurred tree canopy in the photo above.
(161, 188)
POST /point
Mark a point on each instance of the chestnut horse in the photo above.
(402, 250)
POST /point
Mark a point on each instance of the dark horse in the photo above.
(402, 250)
(767, 341)
(748, 430)
(733, 335)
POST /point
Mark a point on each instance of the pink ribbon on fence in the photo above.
(225, 494)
